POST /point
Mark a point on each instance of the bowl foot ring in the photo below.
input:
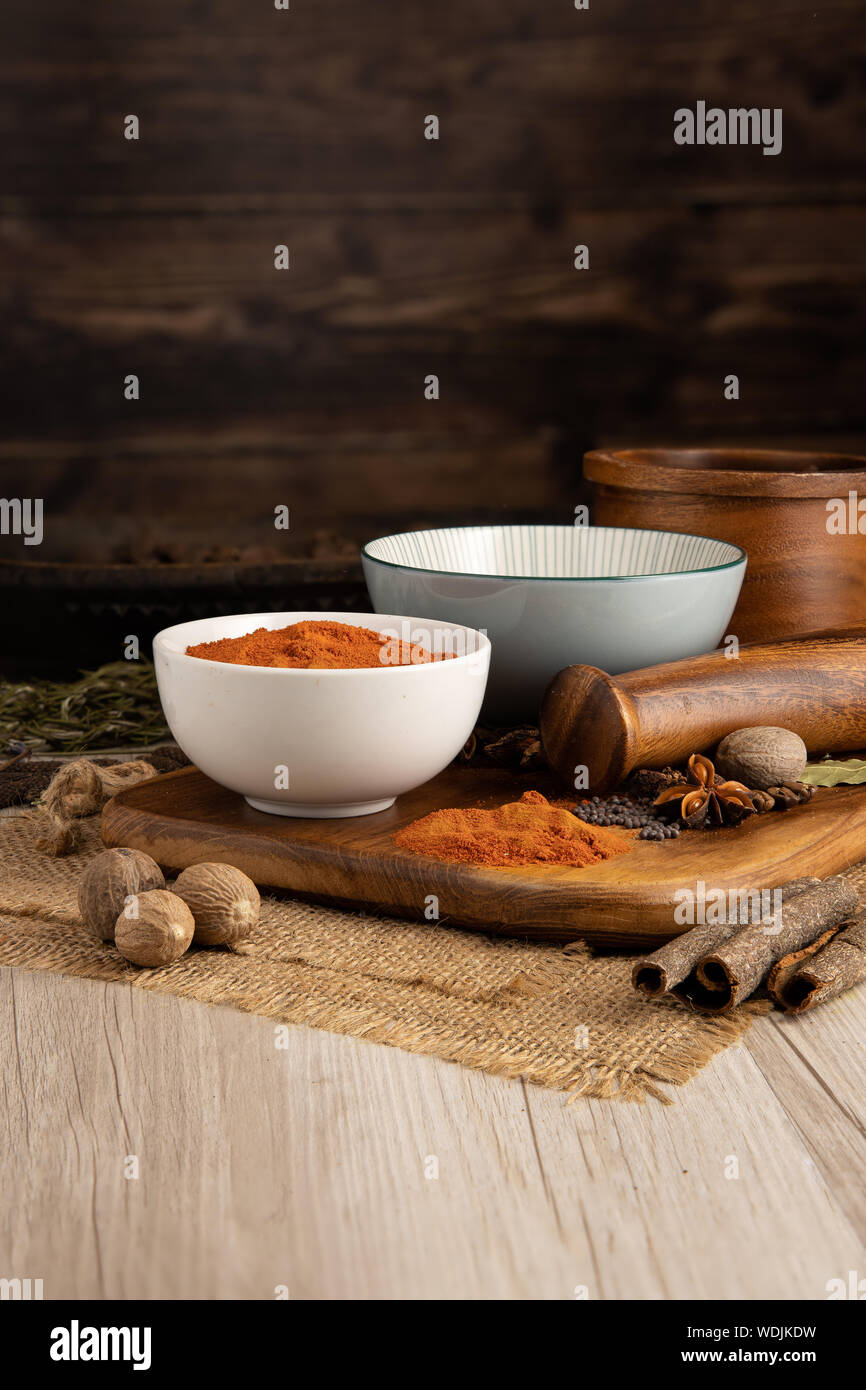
(320, 812)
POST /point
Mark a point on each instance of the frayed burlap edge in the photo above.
(320, 1000)
(679, 1060)
(505, 1007)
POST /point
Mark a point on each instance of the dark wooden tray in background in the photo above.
(90, 609)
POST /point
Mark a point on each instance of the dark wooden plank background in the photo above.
(410, 256)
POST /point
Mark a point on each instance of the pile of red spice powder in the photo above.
(528, 831)
(316, 645)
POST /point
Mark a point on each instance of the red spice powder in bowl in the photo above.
(317, 645)
(320, 714)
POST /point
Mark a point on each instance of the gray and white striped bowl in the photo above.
(553, 596)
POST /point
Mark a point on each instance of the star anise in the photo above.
(706, 797)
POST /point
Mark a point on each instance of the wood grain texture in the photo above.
(802, 575)
(305, 1167)
(817, 1072)
(184, 818)
(329, 97)
(412, 257)
(379, 297)
(814, 685)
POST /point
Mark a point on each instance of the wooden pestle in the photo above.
(815, 685)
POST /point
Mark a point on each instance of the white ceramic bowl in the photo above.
(556, 596)
(348, 742)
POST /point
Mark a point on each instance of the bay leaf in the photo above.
(832, 773)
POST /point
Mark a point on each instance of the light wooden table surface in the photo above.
(339, 1169)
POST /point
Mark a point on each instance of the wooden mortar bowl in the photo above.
(773, 503)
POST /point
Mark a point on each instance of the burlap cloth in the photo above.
(558, 1017)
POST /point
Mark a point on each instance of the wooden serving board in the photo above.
(184, 818)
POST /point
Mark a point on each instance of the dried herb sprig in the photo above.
(114, 706)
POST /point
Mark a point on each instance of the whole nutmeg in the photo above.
(763, 757)
(155, 928)
(223, 901)
(108, 881)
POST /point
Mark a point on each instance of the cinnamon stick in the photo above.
(672, 964)
(788, 965)
(733, 970)
(839, 966)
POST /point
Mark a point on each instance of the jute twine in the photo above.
(79, 789)
(557, 1018)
